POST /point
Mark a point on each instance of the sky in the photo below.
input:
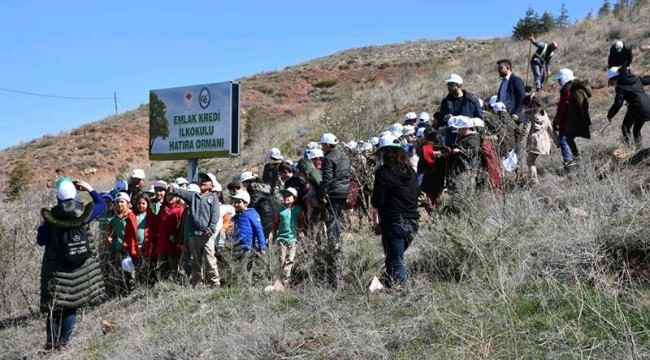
(81, 53)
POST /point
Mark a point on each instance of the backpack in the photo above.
(75, 245)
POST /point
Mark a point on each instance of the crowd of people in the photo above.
(174, 231)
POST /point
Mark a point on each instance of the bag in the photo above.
(75, 245)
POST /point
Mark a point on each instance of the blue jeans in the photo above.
(59, 328)
(334, 221)
(539, 73)
(396, 238)
(568, 146)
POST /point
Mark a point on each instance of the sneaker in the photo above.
(570, 163)
(215, 286)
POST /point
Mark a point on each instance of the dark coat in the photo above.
(515, 93)
(65, 286)
(623, 58)
(271, 175)
(630, 89)
(470, 107)
(337, 172)
(395, 194)
(263, 202)
(578, 118)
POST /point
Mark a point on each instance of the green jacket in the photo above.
(64, 286)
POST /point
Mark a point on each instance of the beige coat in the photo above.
(538, 133)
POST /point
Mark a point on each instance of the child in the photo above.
(287, 229)
(168, 247)
(144, 217)
(538, 133)
(464, 154)
(248, 231)
(122, 238)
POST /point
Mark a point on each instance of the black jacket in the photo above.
(337, 172)
(270, 175)
(395, 194)
(630, 89)
(470, 107)
(263, 202)
(515, 94)
(623, 58)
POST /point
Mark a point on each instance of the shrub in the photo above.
(326, 83)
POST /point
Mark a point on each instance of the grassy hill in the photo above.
(558, 270)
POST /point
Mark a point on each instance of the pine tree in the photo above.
(604, 9)
(530, 24)
(562, 21)
(19, 180)
(546, 22)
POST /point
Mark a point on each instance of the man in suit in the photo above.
(511, 91)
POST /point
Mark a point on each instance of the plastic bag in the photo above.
(510, 163)
(127, 264)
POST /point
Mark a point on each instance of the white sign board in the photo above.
(194, 122)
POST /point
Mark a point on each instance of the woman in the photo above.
(67, 285)
(630, 89)
(395, 197)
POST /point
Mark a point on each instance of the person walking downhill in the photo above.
(540, 63)
(204, 216)
(572, 118)
(511, 90)
(395, 197)
(629, 88)
(71, 277)
(538, 133)
(288, 228)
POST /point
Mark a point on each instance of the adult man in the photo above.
(619, 55)
(457, 102)
(334, 188)
(540, 63)
(270, 174)
(511, 91)
(630, 89)
(136, 183)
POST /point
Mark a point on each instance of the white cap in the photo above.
(351, 145)
(159, 184)
(454, 78)
(194, 188)
(564, 76)
(243, 196)
(477, 122)
(313, 145)
(65, 189)
(396, 129)
(374, 140)
(315, 153)
(408, 130)
(246, 176)
(460, 122)
(291, 191)
(388, 140)
(493, 100)
(181, 181)
(499, 106)
(613, 72)
(217, 186)
(275, 153)
(209, 175)
(175, 185)
(618, 46)
(367, 146)
(122, 196)
(137, 174)
(424, 117)
(420, 132)
(329, 138)
(410, 116)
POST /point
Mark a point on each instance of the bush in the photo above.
(326, 83)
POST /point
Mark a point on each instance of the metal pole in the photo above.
(192, 168)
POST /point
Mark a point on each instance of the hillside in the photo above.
(558, 270)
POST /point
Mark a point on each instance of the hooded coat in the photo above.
(65, 286)
(578, 119)
(630, 89)
(539, 132)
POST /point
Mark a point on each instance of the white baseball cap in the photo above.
(315, 153)
(420, 132)
(454, 78)
(613, 72)
(122, 196)
(396, 129)
(275, 153)
(217, 187)
(193, 187)
(160, 184)
(243, 196)
(65, 189)
(618, 46)
(329, 138)
(408, 130)
(499, 106)
(374, 140)
(291, 191)
(137, 174)
(493, 100)
(460, 122)
(351, 145)
(424, 117)
(410, 116)
(208, 175)
(388, 140)
(246, 176)
(564, 76)
(367, 146)
(181, 181)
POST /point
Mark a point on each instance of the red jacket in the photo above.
(166, 243)
(562, 113)
(130, 240)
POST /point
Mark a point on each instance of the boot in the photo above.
(533, 175)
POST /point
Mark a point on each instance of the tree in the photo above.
(530, 24)
(620, 6)
(19, 180)
(562, 21)
(158, 124)
(604, 9)
(546, 23)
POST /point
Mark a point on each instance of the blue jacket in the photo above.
(470, 107)
(515, 93)
(248, 230)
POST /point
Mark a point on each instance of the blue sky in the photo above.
(88, 49)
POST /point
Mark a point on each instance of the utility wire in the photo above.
(56, 96)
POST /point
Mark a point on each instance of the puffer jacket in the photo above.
(630, 89)
(264, 203)
(248, 230)
(336, 172)
(65, 286)
(539, 132)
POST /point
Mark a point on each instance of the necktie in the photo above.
(502, 90)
